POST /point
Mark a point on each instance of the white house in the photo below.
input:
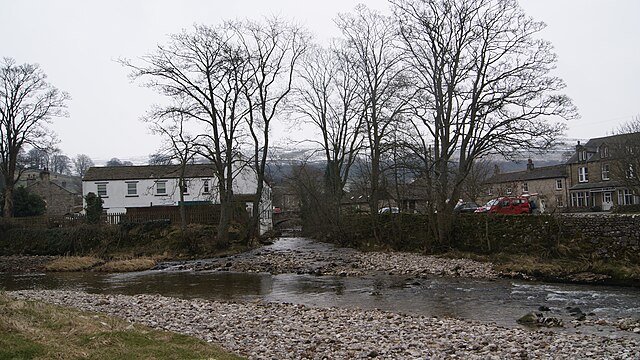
(122, 187)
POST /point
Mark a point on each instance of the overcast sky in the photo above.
(76, 43)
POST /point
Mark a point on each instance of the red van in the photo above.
(511, 206)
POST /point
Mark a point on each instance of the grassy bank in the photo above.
(33, 330)
(569, 270)
(110, 248)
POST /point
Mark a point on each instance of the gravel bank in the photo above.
(285, 331)
(328, 260)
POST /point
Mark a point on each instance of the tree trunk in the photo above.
(226, 198)
(7, 210)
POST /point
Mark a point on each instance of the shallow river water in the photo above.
(498, 301)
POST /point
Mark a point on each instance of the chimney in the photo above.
(496, 169)
(44, 175)
(31, 179)
(530, 165)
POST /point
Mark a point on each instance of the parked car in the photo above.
(389, 210)
(466, 207)
(511, 206)
(485, 208)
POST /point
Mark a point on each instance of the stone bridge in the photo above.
(286, 218)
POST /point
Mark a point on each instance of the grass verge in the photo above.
(73, 263)
(34, 330)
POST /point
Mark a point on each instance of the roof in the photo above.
(39, 184)
(596, 185)
(593, 145)
(148, 172)
(545, 172)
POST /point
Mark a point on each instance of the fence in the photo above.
(194, 214)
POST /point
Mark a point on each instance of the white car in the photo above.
(389, 210)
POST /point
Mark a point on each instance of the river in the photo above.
(500, 301)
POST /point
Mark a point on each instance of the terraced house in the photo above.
(603, 172)
(126, 187)
(548, 184)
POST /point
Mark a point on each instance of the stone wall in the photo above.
(601, 236)
(569, 236)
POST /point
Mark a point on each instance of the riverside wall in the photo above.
(589, 236)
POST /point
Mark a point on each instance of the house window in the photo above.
(605, 172)
(630, 173)
(102, 189)
(161, 187)
(604, 152)
(558, 184)
(626, 197)
(583, 155)
(559, 201)
(509, 191)
(184, 186)
(205, 186)
(583, 174)
(132, 189)
(580, 199)
(525, 187)
(606, 197)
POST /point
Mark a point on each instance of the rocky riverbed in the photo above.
(260, 330)
(341, 262)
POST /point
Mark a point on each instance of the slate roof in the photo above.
(593, 145)
(148, 172)
(596, 185)
(544, 172)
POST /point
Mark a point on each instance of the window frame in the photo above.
(605, 172)
(583, 174)
(525, 187)
(184, 186)
(164, 187)
(559, 184)
(135, 189)
(580, 199)
(99, 186)
(205, 186)
(630, 172)
(626, 197)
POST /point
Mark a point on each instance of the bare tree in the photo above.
(474, 184)
(203, 73)
(82, 163)
(371, 41)
(37, 159)
(328, 98)
(117, 162)
(27, 104)
(273, 48)
(485, 87)
(160, 158)
(179, 146)
(60, 163)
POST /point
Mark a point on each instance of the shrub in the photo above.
(94, 208)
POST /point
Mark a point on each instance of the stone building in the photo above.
(60, 197)
(603, 172)
(546, 185)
